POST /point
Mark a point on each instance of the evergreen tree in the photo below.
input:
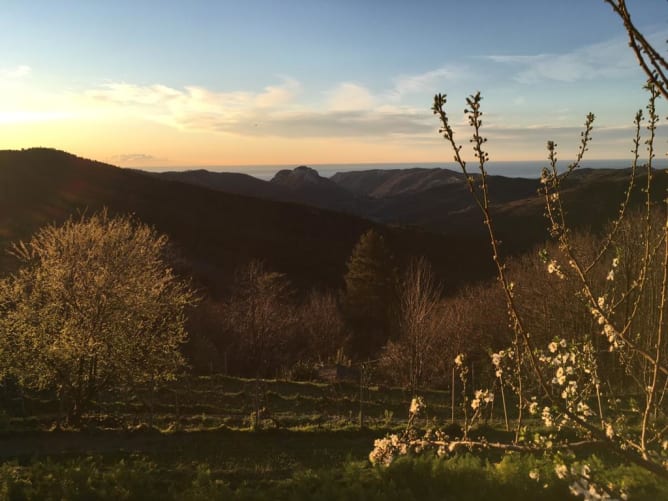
(370, 297)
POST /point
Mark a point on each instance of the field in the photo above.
(207, 443)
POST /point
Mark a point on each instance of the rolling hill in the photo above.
(438, 200)
(215, 232)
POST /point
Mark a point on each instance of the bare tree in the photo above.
(649, 58)
(414, 356)
(321, 331)
(552, 371)
(260, 314)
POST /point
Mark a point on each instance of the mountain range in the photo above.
(299, 222)
(438, 200)
(214, 231)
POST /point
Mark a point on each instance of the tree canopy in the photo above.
(370, 296)
(93, 306)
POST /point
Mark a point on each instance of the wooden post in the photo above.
(452, 396)
(505, 410)
(361, 415)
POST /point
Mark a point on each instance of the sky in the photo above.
(203, 83)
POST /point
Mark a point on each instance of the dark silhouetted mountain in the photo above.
(309, 187)
(381, 183)
(439, 201)
(301, 185)
(215, 232)
(231, 182)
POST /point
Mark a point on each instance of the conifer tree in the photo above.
(370, 297)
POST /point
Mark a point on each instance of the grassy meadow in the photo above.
(206, 443)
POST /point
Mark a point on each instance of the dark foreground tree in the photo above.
(370, 296)
(93, 307)
(416, 356)
(260, 315)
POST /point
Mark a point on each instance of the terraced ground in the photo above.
(229, 438)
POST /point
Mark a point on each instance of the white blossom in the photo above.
(560, 377)
(609, 430)
(417, 404)
(553, 268)
(561, 470)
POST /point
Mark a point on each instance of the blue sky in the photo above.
(212, 83)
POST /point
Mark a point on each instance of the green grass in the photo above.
(202, 447)
(462, 477)
(210, 402)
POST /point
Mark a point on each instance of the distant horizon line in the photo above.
(329, 164)
(509, 168)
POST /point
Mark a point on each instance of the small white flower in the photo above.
(459, 360)
(553, 268)
(533, 408)
(534, 475)
(560, 377)
(552, 347)
(561, 470)
(584, 409)
(610, 332)
(417, 404)
(609, 430)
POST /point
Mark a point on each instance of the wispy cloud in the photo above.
(609, 59)
(349, 110)
(430, 81)
(15, 72)
(177, 106)
(30, 116)
(349, 96)
(351, 123)
(135, 158)
(278, 95)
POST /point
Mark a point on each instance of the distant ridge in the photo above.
(309, 187)
(231, 182)
(438, 199)
(215, 232)
(379, 183)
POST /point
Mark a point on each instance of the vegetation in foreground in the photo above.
(209, 448)
(283, 476)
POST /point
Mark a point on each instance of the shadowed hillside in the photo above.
(439, 201)
(215, 232)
